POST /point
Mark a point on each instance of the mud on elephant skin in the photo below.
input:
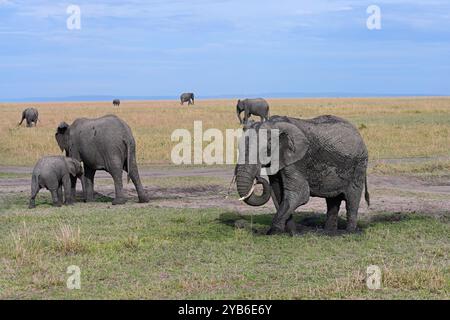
(105, 143)
(323, 157)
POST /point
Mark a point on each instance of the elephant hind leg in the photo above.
(352, 202)
(333, 206)
(132, 169)
(134, 176)
(34, 191)
(118, 186)
(89, 175)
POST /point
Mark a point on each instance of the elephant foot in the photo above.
(144, 199)
(351, 226)
(118, 201)
(291, 228)
(274, 231)
(31, 206)
(69, 203)
(57, 205)
(331, 228)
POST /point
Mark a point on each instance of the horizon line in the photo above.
(298, 95)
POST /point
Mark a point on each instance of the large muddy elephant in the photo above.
(258, 107)
(104, 143)
(187, 97)
(31, 115)
(323, 157)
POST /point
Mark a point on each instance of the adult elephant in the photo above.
(187, 97)
(31, 115)
(104, 143)
(116, 102)
(322, 157)
(258, 107)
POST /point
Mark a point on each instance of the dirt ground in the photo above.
(397, 194)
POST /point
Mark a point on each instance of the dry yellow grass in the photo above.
(392, 128)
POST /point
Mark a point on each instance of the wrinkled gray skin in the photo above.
(116, 102)
(258, 107)
(187, 97)
(55, 173)
(31, 115)
(322, 157)
(105, 143)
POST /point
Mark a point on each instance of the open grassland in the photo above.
(191, 241)
(153, 253)
(392, 128)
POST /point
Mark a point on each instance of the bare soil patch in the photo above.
(401, 194)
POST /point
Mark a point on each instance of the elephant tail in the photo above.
(128, 161)
(366, 194)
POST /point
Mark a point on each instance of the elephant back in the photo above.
(334, 139)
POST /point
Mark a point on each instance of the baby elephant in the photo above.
(55, 173)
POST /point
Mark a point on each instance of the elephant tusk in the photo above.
(249, 193)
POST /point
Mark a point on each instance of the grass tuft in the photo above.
(68, 239)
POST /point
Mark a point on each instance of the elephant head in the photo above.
(62, 137)
(75, 167)
(291, 147)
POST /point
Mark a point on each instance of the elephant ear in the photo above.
(293, 144)
(61, 136)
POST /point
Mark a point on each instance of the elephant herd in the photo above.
(323, 157)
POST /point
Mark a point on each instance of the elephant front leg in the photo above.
(56, 201)
(295, 190)
(283, 220)
(67, 184)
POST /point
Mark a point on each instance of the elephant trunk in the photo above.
(238, 113)
(246, 179)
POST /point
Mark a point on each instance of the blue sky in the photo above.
(221, 47)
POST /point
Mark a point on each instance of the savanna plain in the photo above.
(195, 240)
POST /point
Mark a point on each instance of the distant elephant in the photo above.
(323, 157)
(187, 97)
(116, 102)
(105, 143)
(31, 115)
(258, 107)
(56, 173)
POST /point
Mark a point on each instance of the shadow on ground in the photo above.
(308, 222)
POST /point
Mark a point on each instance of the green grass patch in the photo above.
(135, 252)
